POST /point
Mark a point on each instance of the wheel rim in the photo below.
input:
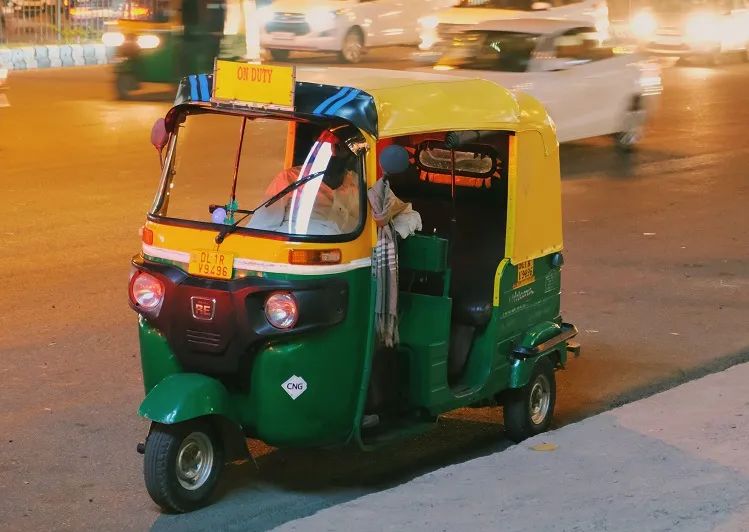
(352, 48)
(633, 123)
(194, 461)
(540, 399)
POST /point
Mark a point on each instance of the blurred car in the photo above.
(693, 28)
(343, 26)
(466, 13)
(587, 86)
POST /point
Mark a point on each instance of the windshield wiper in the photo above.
(229, 229)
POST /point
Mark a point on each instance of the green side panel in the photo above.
(330, 362)
(158, 65)
(186, 396)
(539, 333)
(156, 357)
(423, 253)
(424, 334)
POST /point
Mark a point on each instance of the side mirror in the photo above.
(540, 6)
(159, 137)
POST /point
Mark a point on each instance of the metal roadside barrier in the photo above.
(54, 33)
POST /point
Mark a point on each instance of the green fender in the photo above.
(522, 368)
(183, 396)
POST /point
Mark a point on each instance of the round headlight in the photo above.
(281, 310)
(147, 292)
(113, 39)
(148, 41)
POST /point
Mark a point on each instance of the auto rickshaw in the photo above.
(277, 302)
(160, 41)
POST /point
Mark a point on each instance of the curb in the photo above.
(54, 56)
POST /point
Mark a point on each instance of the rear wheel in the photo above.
(182, 464)
(632, 126)
(529, 410)
(353, 46)
(279, 55)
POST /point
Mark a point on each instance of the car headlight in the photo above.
(265, 14)
(643, 25)
(113, 38)
(320, 19)
(702, 26)
(281, 310)
(147, 41)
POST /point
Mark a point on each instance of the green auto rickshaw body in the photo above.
(335, 358)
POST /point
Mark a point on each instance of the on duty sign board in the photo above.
(254, 85)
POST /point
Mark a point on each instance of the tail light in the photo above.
(146, 293)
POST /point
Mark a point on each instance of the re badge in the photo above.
(295, 386)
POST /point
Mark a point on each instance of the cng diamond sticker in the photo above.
(295, 386)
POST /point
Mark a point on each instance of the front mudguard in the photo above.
(184, 396)
(546, 339)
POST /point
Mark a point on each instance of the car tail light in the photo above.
(147, 292)
(281, 310)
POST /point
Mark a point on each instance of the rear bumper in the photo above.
(327, 41)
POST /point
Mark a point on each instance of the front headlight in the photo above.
(113, 39)
(148, 41)
(702, 27)
(643, 25)
(320, 19)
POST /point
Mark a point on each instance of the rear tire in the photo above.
(353, 46)
(529, 410)
(633, 123)
(279, 55)
(182, 464)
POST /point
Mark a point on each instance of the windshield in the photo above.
(499, 50)
(201, 167)
(146, 10)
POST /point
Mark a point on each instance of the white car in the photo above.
(588, 88)
(693, 28)
(343, 26)
(466, 13)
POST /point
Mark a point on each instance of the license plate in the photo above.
(214, 264)
(286, 36)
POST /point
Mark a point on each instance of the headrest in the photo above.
(394, 160)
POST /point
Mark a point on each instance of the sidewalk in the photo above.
(678, 460)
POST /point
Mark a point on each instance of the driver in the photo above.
(327, 206)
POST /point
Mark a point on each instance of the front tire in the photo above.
(182, 464)
(632, 126)
(529, 410)
(353, 46)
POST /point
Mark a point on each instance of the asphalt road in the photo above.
(657, 280)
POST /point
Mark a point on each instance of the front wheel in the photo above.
(632, 126)
(528, 410)
(182, 464)
(353, 46)
(125, 83)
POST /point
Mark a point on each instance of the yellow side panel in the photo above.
(185, 239)
(534, 218)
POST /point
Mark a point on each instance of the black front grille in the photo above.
(297, 28)
(203, 339)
